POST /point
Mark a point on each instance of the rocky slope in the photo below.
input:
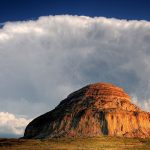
(97, 109)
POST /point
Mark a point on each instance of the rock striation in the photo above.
(96, 109)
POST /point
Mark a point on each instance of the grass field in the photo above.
(99, 143)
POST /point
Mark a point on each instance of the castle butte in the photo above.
(95, 110)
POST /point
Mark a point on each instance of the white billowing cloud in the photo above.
(42, 61)
(145, 104)
(12, 125)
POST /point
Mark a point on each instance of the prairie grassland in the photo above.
(96, 143)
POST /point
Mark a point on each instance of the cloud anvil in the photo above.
(43, 60)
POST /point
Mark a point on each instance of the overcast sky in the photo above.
(43, 60)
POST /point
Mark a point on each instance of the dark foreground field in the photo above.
(99, 143)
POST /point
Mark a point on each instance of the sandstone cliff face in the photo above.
(97, 109)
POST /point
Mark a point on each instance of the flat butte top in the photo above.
(103, 90)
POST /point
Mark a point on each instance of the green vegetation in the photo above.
(98, 143)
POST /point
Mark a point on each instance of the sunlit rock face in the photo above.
(96, 109)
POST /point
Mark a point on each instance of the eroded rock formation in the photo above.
(97, 109)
